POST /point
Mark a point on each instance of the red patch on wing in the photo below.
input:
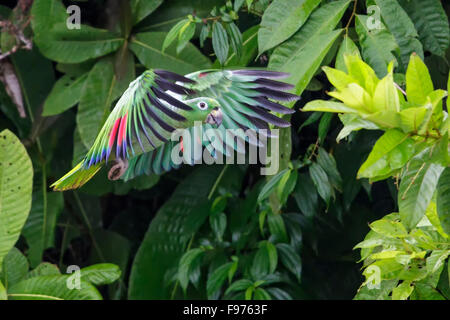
(202, 74)
(122, 129)
(112, 135)
(181, 144)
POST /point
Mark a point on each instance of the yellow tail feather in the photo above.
(76, 177)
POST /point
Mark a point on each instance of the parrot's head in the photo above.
(206, 110)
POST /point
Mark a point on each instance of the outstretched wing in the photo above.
(141, 121)
(246, 99)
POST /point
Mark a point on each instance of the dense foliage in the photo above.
(358, 209)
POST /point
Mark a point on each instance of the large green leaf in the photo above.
(100, 274)
(39, 230)
(147, 47)
(220, 42)
(101, 88)
(169, 232)
(281, 20)
(377, 162)
(14, 268)
(249, 50)
(418, 81)
(417, 186)
(61, 44)
(16, 182)
(305, 50)
(431, 23)
(378, 46)
(402, 28)
(52, 287)
(142, 8)
(443, 200)
(65, 94)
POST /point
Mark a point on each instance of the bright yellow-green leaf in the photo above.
(362, 72)
(3, 295)
(348, 47)
(386, 95)
(354, 96)
(403, 291)
(412, 118)
(418, 81)
(386, 254)
(339, 79)
(327, 106)
(391, 229)
(377, 159)
(385, 119)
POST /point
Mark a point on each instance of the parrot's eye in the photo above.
(202, 105)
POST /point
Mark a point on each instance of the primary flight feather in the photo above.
(158, 102)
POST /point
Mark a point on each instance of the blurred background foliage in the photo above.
(220, 231)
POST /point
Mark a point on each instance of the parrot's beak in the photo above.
(215, 117)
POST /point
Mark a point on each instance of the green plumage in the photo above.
(158, 102)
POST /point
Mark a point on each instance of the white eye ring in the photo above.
(202, 105)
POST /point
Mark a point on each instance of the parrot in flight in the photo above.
(138, 129)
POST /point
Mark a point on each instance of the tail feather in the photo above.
(76, 177)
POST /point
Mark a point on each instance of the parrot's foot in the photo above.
(118, 169)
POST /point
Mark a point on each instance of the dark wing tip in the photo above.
(262, 73)
(172, 76)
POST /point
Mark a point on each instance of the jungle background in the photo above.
(220, 231)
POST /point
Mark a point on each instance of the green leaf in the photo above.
(3, 295)
(142, 8)
(39, 229)
(43, 269)
(305, 195)
(184, 266)
(306, 49)
(186, 34)
(270, 186)
(281, 20)
(239, 285)
(286, 185)
(218, 222)
(443, 200)
(436, 260)
(235, 38)
(378, 46)
(391, 229)
(14, 268)
(418, 81)
(320, 180)
(15, 190)
(169, 232)
(217, 278)
(327, 162)
(348, 47)
(249, 49)
(95, 101)
(52, 288)
(220, 42)
(426, 292)
(377, 161)
(101, 274)
(173, 33)
(261, 294)
(277, 227)
(417, 186)
(265, 260)
(381, 293)
(324, 126)
(431, 23)
(290, 259)
(401, 26)
(328, 106)
(147, 47)
(402, 291)
(64, 95)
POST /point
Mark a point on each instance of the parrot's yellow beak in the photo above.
(215, 117)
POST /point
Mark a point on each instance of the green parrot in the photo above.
(138, 130)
